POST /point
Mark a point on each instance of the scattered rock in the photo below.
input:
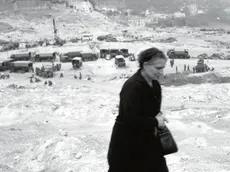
(203, 56)
(219, 56)
(77, 155)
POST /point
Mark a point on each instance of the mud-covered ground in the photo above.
(67, 127)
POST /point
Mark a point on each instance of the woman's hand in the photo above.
(161, 119)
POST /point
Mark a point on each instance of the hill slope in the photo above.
(26, 25)
(163, 5)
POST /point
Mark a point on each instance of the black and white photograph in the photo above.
(114, 85)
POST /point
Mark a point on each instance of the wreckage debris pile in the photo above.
(184, 78)
(214, 56)
(167, 40)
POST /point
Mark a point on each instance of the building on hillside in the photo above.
(178, 15)
(142, 21)
(80, 5)
(161, 16)
(31, 4)
(152, 20)
(109, 9)
(137, 21)
(193, 9)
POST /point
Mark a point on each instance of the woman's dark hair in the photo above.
(148, 54)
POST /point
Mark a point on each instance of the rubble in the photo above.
(167, 40)
(214, 56)
(203, 56)
(4, 76)
(219, 56)
(15, 86)
(219, 44)
(227, 57)
(180, 79)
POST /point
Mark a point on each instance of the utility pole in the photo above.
(55, 29)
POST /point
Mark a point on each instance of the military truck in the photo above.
(89, 57)
(107, 38)
(22, 56)
(23, 66)
(46, 71)
(67, 57)
(5, 65)
(114, 52)
(45, 57)
(77, 62)
(120, 61)
(201, 66)
(125, 52)
(103, 53)
(173, 54)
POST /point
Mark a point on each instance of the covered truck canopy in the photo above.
(22, 63)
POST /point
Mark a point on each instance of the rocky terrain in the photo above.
(66, 127)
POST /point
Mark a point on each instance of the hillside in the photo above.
(163, 5)
(25, 25)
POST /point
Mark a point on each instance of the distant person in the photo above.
(172, 62)
(134, 146)
(37, 80)
(194, 70)
(176, 69)
(31, 80)
(50, 83)
(7, 76)
(188, 69)
(184, 67)
(80, 75)
(212, 69)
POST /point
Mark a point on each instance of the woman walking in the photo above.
(134, 146)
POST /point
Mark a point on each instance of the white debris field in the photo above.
(66, 127)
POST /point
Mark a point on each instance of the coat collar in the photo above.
(138, 77)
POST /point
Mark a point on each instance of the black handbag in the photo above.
(168, 143)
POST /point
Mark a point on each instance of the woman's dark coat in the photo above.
(133, 145)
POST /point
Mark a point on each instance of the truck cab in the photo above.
(77, 62)
(120, 61)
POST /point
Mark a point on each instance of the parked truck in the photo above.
(178, 54)
(21, 66)
(120, 61)
(45, 57)
(77, 62)
(22, 56)
(67, 57)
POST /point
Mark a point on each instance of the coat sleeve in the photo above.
(130, 107)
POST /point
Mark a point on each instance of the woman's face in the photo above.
(154, 68)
